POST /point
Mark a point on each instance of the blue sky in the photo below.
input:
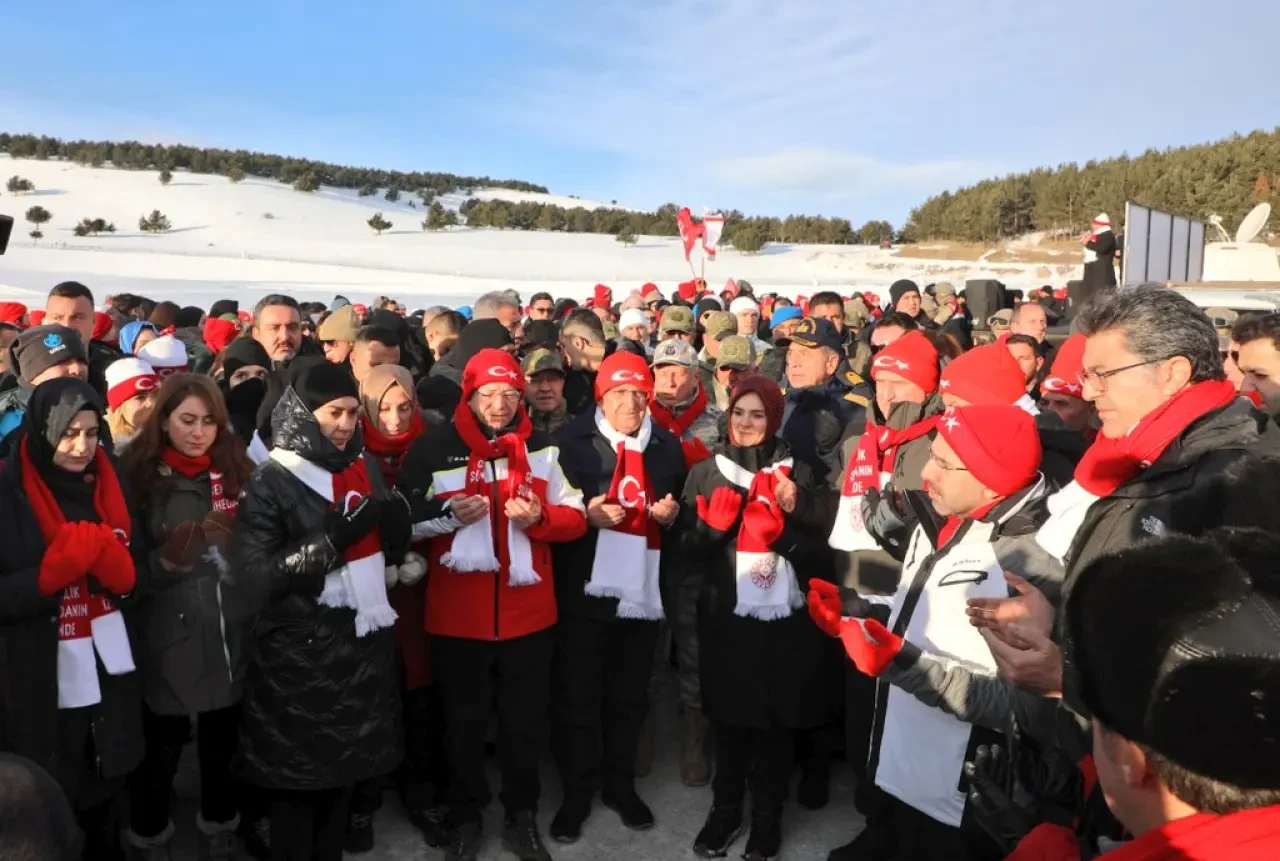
(839, 107)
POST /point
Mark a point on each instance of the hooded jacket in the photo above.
(321, 706)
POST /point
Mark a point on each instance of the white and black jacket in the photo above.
(942, 697)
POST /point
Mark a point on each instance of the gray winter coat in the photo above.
(187, 647)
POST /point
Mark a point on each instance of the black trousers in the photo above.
(470, 674)
(423, 775)
(762, 758)
(151, 785)
(602, 683)
(895, 830)
(308, 825)
(101, 827)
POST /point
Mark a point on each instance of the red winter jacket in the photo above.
(1251, 835)
(483, 605)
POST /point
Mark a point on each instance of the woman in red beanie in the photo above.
(756, 520)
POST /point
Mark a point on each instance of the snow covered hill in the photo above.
(261, 236)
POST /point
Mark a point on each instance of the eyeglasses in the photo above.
(1098, 379)
(505, 397)
(943, 465)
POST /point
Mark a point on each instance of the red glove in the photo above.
(723, 509)
(114, 568)
(763, 519)
(69, 556)
(824, 606)
(870, 645)
(694, 452)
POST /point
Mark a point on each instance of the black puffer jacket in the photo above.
(321, 705)
(760, 673)
(815, 422)
(589, 462)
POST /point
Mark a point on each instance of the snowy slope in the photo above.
(313, 245)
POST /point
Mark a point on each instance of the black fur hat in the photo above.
(1177, 643)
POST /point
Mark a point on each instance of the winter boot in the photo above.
(624, 801)
(765, 841)
(359, 837)
(723, 826)
(645, 745)
(814, 790)
(695, 770)
(520, 837)
(465, 841)
(151, 848)
(218, 840)
(567, 826)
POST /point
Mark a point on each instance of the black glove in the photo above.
(884, 521)
(1019, 784)
(346, 528)
(992, 787)
(396, 527)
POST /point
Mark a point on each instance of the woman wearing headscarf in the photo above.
(186, 470)
(136, 335)
(391, 422)
(241, 372)
(321, 707)
(69, 692)
(756, 522)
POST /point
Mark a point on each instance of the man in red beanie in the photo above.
(496, 497)
(886, 461)
(944, 695)
(602, 302)
(631, 470)
(1062, 393)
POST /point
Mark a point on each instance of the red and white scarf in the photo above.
(472, 549)
(88, 623)
(871, 466)
(360, 584)
(694, 449)
(194, 467)
(628, 555)
(1109, 463)
(766, 582)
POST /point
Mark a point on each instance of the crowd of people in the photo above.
(1021, 584)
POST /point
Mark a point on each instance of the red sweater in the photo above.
(1251, 835)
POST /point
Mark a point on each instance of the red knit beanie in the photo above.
(101, 325)
(623, 368)
(985, 375)
(219, 333)
(911, 357)
(998, 444)
(490, 365)
(1064, 376)
(770, 395)
(688, 291)
(601, 296)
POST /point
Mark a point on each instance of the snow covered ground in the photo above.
(259, 236)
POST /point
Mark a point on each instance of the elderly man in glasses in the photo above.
(1172, 430)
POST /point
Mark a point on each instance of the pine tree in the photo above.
(235, 173)
(626, 237)
(307, 181)
(18, 185)
(156, 222)
(38, 215)
(392, 195)
(36, 235)
(166, 176)
(749, 239)
(368, 190)
(378, 223)
(439, 218)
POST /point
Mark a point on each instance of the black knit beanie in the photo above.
(224, 306)
(319, 384)
(242, 353)
(901, 288)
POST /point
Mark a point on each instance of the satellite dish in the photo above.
(1253, 223)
